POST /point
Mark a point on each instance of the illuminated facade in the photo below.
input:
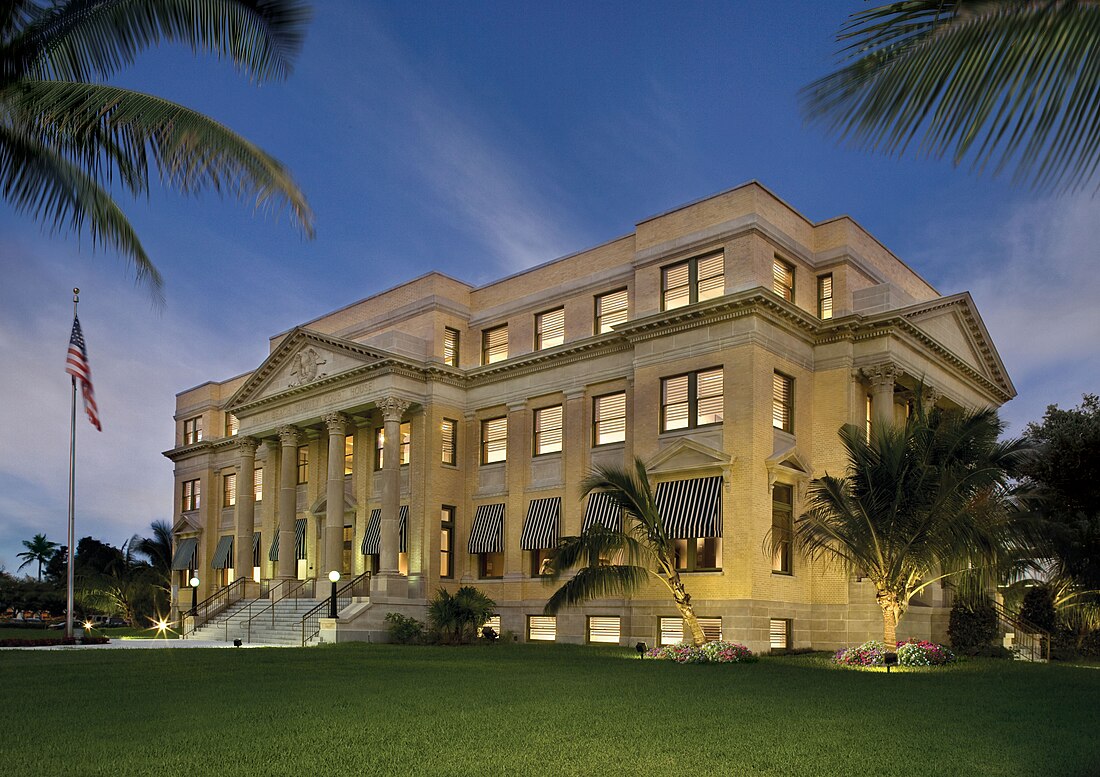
(724, 343)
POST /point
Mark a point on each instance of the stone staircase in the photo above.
(253, 622)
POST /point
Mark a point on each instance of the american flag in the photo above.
(77, 366)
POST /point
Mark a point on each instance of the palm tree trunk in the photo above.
(687, 611)
(891, 614)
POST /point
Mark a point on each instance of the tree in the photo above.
(1007, 83)
(920, 502)
(38, 549)
(457, 618)
(639, 549)
(65, 139)
(158, 552)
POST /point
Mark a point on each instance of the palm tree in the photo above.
(641, 549)
(1010, 83)
(920, 502)
(158, 551)
(38, 549)
(66, 139)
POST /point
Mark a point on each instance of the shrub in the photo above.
(456, 619)
(1037, 608)
(871, 653)
(921, 652)
(402, 629)
(718, 652)
(972, 625)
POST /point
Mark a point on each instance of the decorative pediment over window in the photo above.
(320, 507)
(788, 465)
(186, 524)
(686, 455)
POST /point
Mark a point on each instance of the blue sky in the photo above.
(480, 139)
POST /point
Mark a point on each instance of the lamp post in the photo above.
(194, 594)
(334, 576)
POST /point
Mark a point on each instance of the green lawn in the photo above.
(539, 710)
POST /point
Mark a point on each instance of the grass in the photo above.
(525, 709)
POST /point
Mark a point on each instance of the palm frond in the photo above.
(597, 582)
(1006, 84)
(81, 40)
(588, 547)
(37, 180)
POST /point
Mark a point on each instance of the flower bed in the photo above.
(718, 652)
(913, 652)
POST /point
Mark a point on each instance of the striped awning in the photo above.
(602, 510)
(372, 540)
(487, 533)
(691, 508)
(300, 538)
(223, 554)
(540, 527)
(184, 557)
(255, 548)
(273, 551)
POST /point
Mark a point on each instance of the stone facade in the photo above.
(762, 323)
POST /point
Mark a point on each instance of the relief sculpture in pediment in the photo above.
(305, 367)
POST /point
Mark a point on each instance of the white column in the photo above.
(392, 411)
(288, 501)
(882, 378)
(337, 425)
(246, 505)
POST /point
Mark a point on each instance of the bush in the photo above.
(456, 619)
(718, 652)
(1037, 608)
(921, 652)
(972, 625)
(870, 653)
(403, 630)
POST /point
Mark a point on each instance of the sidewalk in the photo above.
(141, 644)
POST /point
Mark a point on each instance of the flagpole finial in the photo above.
(76, 295)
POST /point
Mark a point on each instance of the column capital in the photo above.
(881, 375)
(288, 435)
(337, 423)
(248, 445)
(929, 396)
(393, 408)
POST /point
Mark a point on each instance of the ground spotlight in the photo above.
(641, 648)
(236, 643)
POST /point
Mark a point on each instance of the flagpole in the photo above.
(72, 494)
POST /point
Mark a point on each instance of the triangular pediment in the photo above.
(186, 524)
(302, 359)
(789, 459)
(955, 324)
(686, 455)
(320, 507)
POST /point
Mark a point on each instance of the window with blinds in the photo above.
(692, 400)
(190, 495)
(611, 309)
(450, 346)
(548, 430)
(783, 279)
(697, 279)
(603, 629)
(229, 489)
(676, 286)
(349, 454)
(825, 297)
(303, 464)
(782, 402)
(542, 628)
(258, 483)
(711, 280)
(493, 623)
(782, 528)
(712, 628)
(609, 418)
(549, 328)
(192, 430)
(449, 434)
(380, 444)
(779, 633)
(494, 440)
(494, 344)
(670, 631)
(232, 425)
(446, 542)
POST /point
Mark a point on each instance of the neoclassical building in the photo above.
(435, 434)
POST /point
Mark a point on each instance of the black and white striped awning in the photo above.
(540, 527)
(602, 510)
(487, 533)
(300, 538)
(255, 548)
(223, 554)
(184, 557)
(372, 540)
(691, 508)
(273, 551)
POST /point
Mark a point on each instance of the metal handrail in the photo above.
(295, 591)
(215, 604)
(1031, 633)
(311, 621)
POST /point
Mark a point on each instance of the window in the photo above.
(303, 464)
(783, 279)
(540, 562)
(232, 425)
(258, 483)
(603, 629)
(670, 631)
(609, 418)
(712, 628)
(698, 554)
(191, 492)
(542, 628)
(494, 440)
(192, 430)
(449, 434)
(691, 400)
(493, 623)
(380, 444)
(346, 550)
(349, 454)
(692, 281)
(825, 296)
(548, 422)
(229, 489)
(494, 344)
(450, 346)
(490, 565)
(549, 328)
(611, 309)
(782, 528)
(782, 402)
(779, 633)
(867, 410)
(447, 542)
